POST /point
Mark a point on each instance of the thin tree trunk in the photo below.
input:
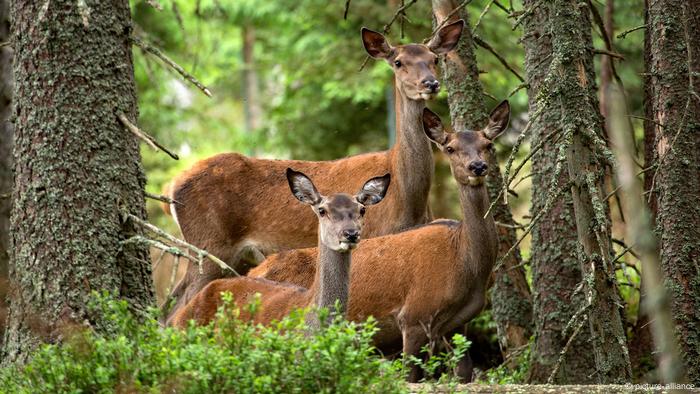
(251, 94)
(5, 156)
(510, 296)
(674, 56)
(641, 344)
(555, 268)
(571, 82)
(75, 167)
(640, 232)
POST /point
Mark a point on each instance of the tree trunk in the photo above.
(674, 44)
(571, 84)
(251, 89)
(510, 296)
(641, 344)
(555, 268)
(75, 167)
(5, 155)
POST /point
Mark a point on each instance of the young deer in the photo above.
(432, 277)
(340, 218)
(231, 204)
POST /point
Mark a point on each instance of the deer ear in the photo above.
(432, 126)
(374, 190)
(376, 44)
(498, 120)
(447, 37)
(302, 187)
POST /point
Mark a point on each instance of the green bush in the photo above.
(133, 354)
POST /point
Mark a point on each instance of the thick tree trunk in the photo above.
(571, 83)
(5, 155)
(75, 167)
(510, 296)
(555, 268)
(674, 45)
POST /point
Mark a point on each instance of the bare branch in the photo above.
(160, 55)
(162, 198)
(147, 138)
(626, 32)
(500, 58)
(609, 53)
(347, 8)
(201, 254)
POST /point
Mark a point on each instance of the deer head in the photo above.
(340, 215)
(414, 65)
(468, 151)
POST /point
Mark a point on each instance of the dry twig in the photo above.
(145, 137)
(160, 55)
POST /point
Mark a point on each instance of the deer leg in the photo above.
(414, 339)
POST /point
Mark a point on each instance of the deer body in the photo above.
(340, 219)
(433, 277)
(220, 213)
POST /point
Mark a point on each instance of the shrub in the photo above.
(133, 354)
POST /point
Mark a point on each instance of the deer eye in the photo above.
(489, 146)
(397, 63)
(450, 149)
(437, 59)
(321, 212)
(362, 211)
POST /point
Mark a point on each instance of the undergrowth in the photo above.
(133, 354)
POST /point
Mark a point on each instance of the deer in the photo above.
(230, 204)
(429, 281)
(340, 220)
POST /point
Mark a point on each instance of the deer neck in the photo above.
(332, 280)
(478, 237)
(411, 156)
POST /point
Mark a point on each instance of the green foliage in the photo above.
(512, 371)
(443, 364)
(133, 354)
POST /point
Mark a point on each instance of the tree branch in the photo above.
(500, 58)
(160, 55)
(142, 135)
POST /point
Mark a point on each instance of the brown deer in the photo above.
(429, 278)
(231, 205)
(340, 217)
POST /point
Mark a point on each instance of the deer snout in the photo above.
(431, 84)
(351, 235)
(479, 168)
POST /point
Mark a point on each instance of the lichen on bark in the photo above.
(75, 168)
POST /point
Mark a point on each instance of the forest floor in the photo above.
(544, 388)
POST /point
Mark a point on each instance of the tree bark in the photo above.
(75, 166)
(674, 46)
(5, 155)
(571, 82)
(510, 296)
(555, 268)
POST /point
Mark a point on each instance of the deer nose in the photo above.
(479, 168)
(351, 235)
(432, 84)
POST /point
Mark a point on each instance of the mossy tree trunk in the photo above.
(5, 155)
(510, 296)
(75, 167)
(674, 82)
(555, 267)
(572, 90)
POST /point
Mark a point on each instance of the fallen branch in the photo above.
(145, 137)
(160, 55)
